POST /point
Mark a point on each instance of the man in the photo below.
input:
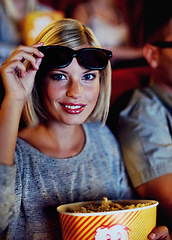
(145, 125)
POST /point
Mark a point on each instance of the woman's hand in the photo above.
(159, 233)
(18, 79)
(17, 76)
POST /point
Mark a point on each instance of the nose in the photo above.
(75, 90)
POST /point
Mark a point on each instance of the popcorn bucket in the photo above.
(132, 224)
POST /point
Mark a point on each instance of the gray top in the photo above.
(41, 183)
(145, 133)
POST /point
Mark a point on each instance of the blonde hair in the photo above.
(70, 33)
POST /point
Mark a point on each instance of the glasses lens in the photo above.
(94, 58)
(57, 57)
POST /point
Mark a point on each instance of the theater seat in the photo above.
(128, 78)
(124, 81)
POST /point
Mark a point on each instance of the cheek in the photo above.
(52, 92)
(93, 93)
(50, 96)
(166, 63)
(165, 73)
(166, 56)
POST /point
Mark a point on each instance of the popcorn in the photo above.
(108, 205)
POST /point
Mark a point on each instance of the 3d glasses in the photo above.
(61, 57)
(162, 44)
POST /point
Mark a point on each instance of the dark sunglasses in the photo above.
(61, 57)
(162, 44)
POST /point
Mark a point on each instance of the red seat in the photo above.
(128, 78)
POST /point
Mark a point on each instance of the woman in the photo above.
(56, 158)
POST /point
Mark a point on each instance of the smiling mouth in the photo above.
(73, 108)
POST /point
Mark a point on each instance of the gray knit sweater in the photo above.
(31, 190)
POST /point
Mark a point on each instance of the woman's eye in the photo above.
(58, 76)
(89, 76)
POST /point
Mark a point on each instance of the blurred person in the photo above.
(57, 159)
(11, 14)
(109, 26)
(145, 124)
(132, 11)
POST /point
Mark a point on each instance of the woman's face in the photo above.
(70, 93)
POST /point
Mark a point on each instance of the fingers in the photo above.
(30, 54)
(159, 233)
(17, 61)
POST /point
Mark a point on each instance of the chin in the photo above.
(74, 122)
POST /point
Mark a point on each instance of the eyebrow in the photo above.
(63, 71)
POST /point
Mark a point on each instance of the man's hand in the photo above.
(159, 233)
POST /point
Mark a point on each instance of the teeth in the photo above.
(72, 107)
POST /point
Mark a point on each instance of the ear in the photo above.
(151, 54)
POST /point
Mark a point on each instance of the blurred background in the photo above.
(116, 23)
(131, 10)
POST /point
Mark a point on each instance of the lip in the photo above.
(73, 108)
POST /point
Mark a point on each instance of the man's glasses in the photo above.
(162, 44)
(61, 57)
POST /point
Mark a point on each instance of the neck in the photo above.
(164, 86)
(55, 141)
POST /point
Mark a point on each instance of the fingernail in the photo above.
(152, 235)
(41, 53)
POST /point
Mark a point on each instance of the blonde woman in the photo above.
(65, 153)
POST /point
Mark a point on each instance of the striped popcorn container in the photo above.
(130, 224)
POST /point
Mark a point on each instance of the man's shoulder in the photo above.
(144, 94)
(132, 101)
(143, 102)
(143, 98)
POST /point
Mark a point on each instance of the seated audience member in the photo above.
(109, 26)
(65, 152)
(145, 125)
(11, 15)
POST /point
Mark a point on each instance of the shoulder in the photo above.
(22, 148)
(144, 95)
(102, 143)
(21, 154)
(97, 129)
(101, 135)
(142, 103)
(25, 151)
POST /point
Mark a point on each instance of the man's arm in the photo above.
(160, 189)
(146, 142)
